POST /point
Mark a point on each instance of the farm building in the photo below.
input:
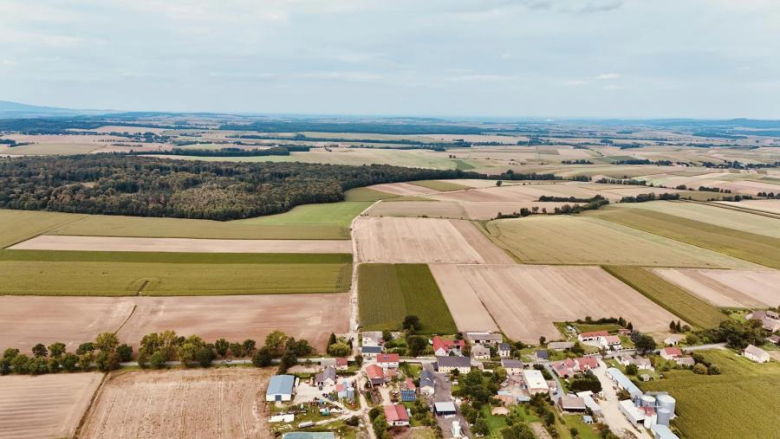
(639, 362)
(513, 367)
(560, 345)
(687, 361)
(591, 336)
(504, 350)
(345, 390)
(448, 364)
(572, 366)
(633, 413)
(309, 435)
(572, 404)
(280, 388)
(534, 382)
(609, 342)
(673, 340)
(623, 382)
(442, 347)
(484, 338)
(427, 381)
(396, 416)
(480, 352)
(444, 408)
(370, 352)
(326, 378)
(375, 375)
(590, 403)
(670, 353)
(388, 361)
(662, 432)
(756, 354)
(770, 320)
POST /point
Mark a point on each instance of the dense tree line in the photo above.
(105, 353)
(642, 198)
(280, 126)
(739, 165)
(623, 181)
(226, 152)
(549, 198)
(577, 162)
(392, 143)
(145, 186)
(642, 162)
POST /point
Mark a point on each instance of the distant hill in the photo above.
(10, 110)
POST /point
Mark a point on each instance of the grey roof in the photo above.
(514, 364)
(329, 372)
(662, 432)
(453, 361)
(572, 402)
(484, 336)
(624, 382)
(426, 381)
(542, 354)
(504, 347)
(281, 385)
(309, 435)
(444, 406)
(371, 349)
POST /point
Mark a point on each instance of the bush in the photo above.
(157, 360)
(700, 369)
(632, 369)
(262, 358)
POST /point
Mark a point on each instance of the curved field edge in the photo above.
(389, 292)
(669, 296)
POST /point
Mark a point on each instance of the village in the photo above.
(460, 386)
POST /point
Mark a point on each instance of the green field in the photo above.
(674, 299)
(365, 194)
(329, 214)
(19, 225)
(587, 240)
(759, 249)
(442, 186)
(736, 404)
(123, 274)
(388, 293)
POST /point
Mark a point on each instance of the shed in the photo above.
(280, 388)
(572, 403)
(623, 382)
(444, 408)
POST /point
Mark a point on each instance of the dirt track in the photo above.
(46, 406)
(526, 300)
(729, 288)
(423, 240)
(117, 244)
(210, 403)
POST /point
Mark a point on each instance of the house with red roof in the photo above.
(609, 342)
(388, 361)
(396, 416)
(375, 375)
(591, 336)
(342, 364)
(442, 347)
(572, 366)
(670, 353)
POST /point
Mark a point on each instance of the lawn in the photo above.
(736, 404)
(169, 274)
(759, 249)
(442, 186)
(389, 292)
(679, 302)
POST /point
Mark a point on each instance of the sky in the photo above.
(446, 58)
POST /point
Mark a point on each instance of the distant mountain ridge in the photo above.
(17, 110)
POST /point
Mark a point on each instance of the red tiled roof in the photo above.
(395, 413)
(594, 334)
(588, 363)
(410, 384)
(387, 358)
(341, 362)
(375, 372)
(440, 343)
(672, 352)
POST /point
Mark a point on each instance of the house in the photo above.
(641, 363)
(408, 391)
(572, 404)
(309, 435)
(609, 342)
(370, 352)
(375, 375)
(484, 338)
(591, 336)
(622, 382)
(280, 388)
(442, 347)
(624, 332)
(673, 340)
(372, 338)
(756, 354)
(388, 361)
(342, 364)
(480, 352)
(770, 320)
(560, 345)
(513, 367)
(396, 416)
(542, 355)
(448, 364)
(661, 431)
(686, 361)
(444, 408)
(326, 378)
(504, 350)
(534, 382)
(670, 353)
(572, 366)
(774, 339)
(427, 381)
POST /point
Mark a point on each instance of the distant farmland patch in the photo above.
(728, 288)
(440, 185)
(388, 293)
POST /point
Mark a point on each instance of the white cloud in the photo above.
(575, 82)
(608, 76)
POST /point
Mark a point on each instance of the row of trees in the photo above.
(567, 209)
(642, 198)
(105, 353)
(226, 152)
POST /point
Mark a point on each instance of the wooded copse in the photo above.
(146, 186)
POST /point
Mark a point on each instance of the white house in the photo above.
(448, 364)
(504, 350)
(513, 367)
(756, 354)
(388, 361)
(534, 381)
(673, 340)
(670, 353)
(591, 336)
(609, 342)
(396, 416)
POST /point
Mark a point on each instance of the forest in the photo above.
(157, 187)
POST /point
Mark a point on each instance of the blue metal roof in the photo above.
(371, 349)
(624, 382)
(281, 385)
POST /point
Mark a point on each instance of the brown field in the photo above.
(184, 245)
(531, 192)
(128, 129)
(466, 308)
(526, 300)
(403, 189)
(454, 209)
(204, 403)
(771, 206)
(29, 320)
(424, 240)
(729, 288)
(309, 316)
(46, 406)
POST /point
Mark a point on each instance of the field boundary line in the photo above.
(482, 227)
(737, 209)
(87, 412)
(42, 232)
(135, 306)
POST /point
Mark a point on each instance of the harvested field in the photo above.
(309, 316)
(526, 300)
(388, 293)
(729, 288)
(27, 321)
(211, 403)
(585, 240)
(441, 185)
(419, 240)
(181, 245)
(402, 189)
(463, 302)
(771, 206)
(46, 406)
(365, 194)
(413, 209)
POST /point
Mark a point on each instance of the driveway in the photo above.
(443, 393)
(614, 418)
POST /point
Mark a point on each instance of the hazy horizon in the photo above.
(534, 59)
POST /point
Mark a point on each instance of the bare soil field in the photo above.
(29, 320)
(531, 192)
(309, 316)
(423, 240)
(431, 209)
(771, 206)
(46, 406)
(402, 189)
(182, 245)
(207, 403)
(526, 300)
(466, 308)
(729, 288)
